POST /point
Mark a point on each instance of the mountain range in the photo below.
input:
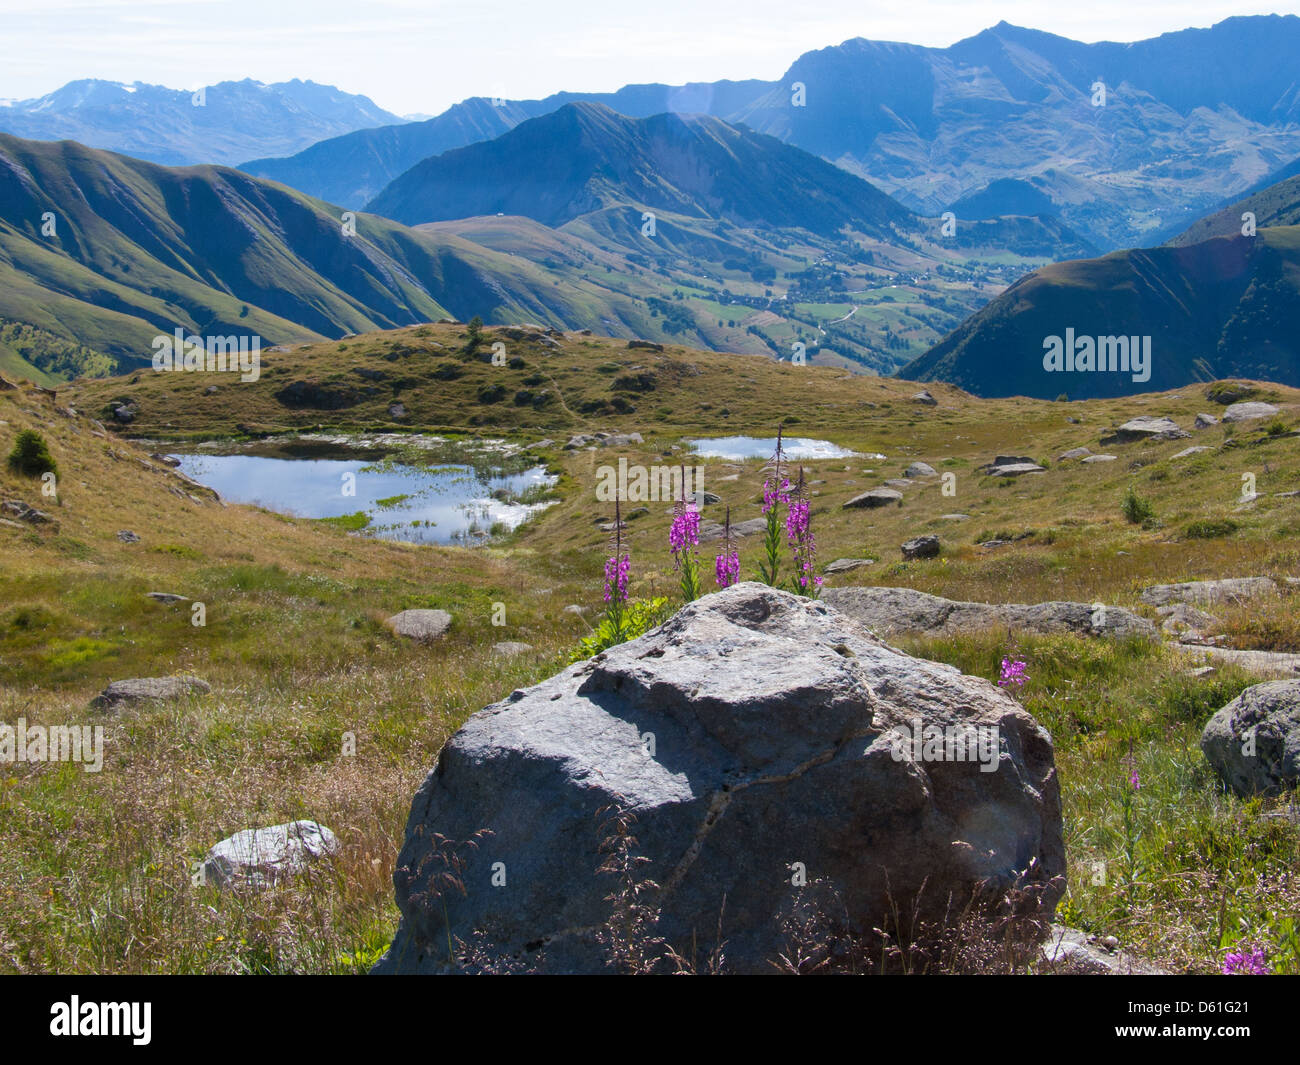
(1185, 122)
(758, 245)
(221, 123)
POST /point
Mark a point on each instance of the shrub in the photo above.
(1209, 530)
(31, 455)
(1137, 510)
(639, 617)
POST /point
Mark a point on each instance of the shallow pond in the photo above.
(736, 448)
(428, 490)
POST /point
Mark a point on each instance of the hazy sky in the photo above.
(423, 55)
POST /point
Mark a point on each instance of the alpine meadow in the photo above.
(459, 516)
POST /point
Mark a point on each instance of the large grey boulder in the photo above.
(421, 625)
(756, 738)
(921, 547)
(920, 469)
(1246, 412)
(1145, 428)
(904, 610)
(1254, 742)
(877, 497)
(1225, 590)
(148, 689)
(260, 857)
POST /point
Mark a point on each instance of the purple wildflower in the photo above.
(684, 533)
(726, 565)
(1246, 961)
(1013, 673)
(617, 570)
(798, 532)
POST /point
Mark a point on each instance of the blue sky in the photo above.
(423, 55)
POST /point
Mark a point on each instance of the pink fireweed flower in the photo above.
(1246, 962)
(684, 533)
(1013, 673)
(798, 532)
(726, 564)
(617, 571)
(727, 569)
(775, 496)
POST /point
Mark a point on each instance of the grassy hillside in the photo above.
(1222, 308)
(297, 656)
(137, 249)
(1276, 205)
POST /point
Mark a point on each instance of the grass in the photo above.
(95, 870)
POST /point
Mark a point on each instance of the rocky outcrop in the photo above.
(1246, 412)
(758, 738)
(148, 689)
(1145, 428)
(897, 610)
(1227, 590)
(1254, 742)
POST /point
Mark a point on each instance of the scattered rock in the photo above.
(148, 689)
(1074, 453)
(1254, 742)
(1100, 458)
(127, 536)
(1205, 421)
(895, 610)
(1227, 590)
(1191, 451)
(709, 498)
(776, 725)
(397, 410)
(1185, 622)
(259, 857)
(25, 513)
(954, 517)
(422, 625)
(167, 597)
(166, 460)
(1245, 412)
(1016, 469)
(575, 608)
(845, 565)
(713, 530)
(1071, 952)
(877, 497)
(920, 469)
(1146, 428)
(925, 398)
(644, 345)
(898, 483)
(921, 547)
(510, 648)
